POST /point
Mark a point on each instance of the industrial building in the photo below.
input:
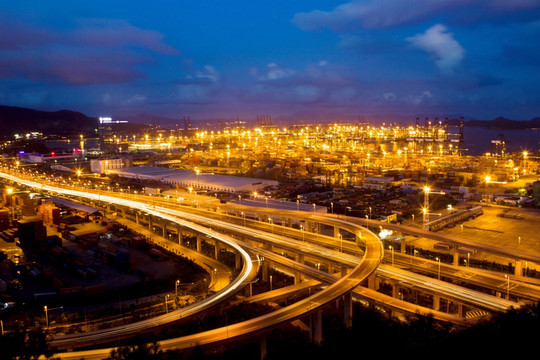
(187, 178)
(104, 166)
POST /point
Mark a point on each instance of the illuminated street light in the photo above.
(426, 207)
(392, 250)
(439, 273)
(507, 287)
(46, 316)
(271, 221)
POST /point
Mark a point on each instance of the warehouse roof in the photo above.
(70, 204)
(201, 180)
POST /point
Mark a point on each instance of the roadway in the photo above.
(354, 228)
(372, 257)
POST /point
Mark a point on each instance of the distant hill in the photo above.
(501, 123)
(15, 120)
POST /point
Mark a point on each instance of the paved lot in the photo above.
(521, 233)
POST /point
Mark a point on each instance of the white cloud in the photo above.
(440, 43)
(418, 99)
(275, 72)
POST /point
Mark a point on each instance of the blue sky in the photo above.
(302, 60)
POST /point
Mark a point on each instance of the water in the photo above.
(478, 140)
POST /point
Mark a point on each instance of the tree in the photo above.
(143, 351)
(25, 344)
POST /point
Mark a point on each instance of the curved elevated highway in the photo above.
(372, 256)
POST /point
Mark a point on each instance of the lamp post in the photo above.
(46, 316)
(392, 251)
(426, 207)
(340, 242)
(176, 289)
(507, 286)
(271, 221)
(302, 229)
(439, 272)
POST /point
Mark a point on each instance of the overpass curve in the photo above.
(372, 256)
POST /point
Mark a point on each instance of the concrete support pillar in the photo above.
(395, 290)
(263, 346)
(164, 228)
(456, 256)
(149, 222)
(265, 268)
(436, 302)
(518, 271)
(199, 240)
(336, 231)
(316, 327)
(137, 217)
(403, 245)
(309, 226)
(343, 271)
(237, 260)
(372, 282)
(298, 277)
(217, 247)
(461, 313)
(180, 236)
(347, 309)
(299, 258)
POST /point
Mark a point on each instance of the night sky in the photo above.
(291, 59)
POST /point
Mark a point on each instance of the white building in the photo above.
(378, 182)
(104, 166)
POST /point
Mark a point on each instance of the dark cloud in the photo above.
(377, 14)
(94, 52)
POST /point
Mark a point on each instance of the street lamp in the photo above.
(46, 316)
(341, 241)
(507, 287)
(176, 289)
(439, 273)
(271, 221)
(302, 229)
(392, 250)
